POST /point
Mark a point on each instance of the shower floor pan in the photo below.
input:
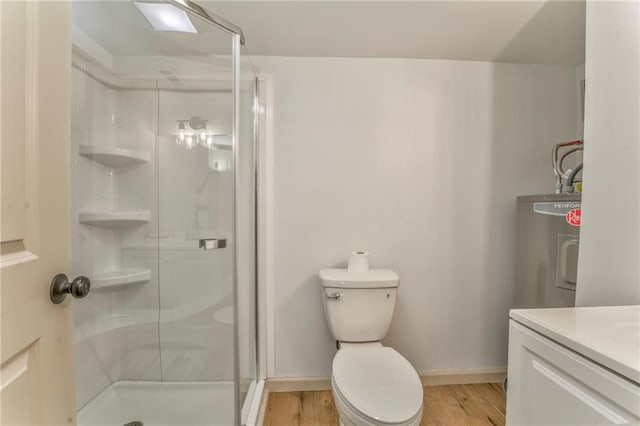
(160, 404)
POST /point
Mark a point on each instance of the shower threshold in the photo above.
(160, 404)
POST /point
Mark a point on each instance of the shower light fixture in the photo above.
(195, 131)
(189, 142)
(181, 131)
(166, 17)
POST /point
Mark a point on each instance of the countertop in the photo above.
(608, 335)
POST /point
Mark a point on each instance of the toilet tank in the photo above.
(358, 306)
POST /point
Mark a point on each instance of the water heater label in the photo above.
(557, 208)
(573, 217)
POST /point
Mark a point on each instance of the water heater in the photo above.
(548, 235)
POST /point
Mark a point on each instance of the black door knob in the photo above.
(60, 287)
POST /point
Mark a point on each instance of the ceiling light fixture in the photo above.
(166, 17)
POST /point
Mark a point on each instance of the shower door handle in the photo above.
(212, 243)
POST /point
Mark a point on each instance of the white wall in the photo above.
(419, 163)
(608, 269)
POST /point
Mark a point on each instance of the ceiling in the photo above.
(542, 32)
(121, 29)
(545, 32)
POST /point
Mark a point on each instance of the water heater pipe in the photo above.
(572, 176)
(556, 164)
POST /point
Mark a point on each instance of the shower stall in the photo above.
(164, 133)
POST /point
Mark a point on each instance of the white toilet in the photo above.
(372, 384)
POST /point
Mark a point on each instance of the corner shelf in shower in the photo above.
(114, 219)
(119, 277)
(113, 157)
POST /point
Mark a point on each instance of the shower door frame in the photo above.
(235, 132)
(237, 43)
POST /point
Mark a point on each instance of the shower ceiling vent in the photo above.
(171, 76)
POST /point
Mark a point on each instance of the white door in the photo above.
(36, 336)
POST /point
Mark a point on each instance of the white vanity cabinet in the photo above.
(553, 377)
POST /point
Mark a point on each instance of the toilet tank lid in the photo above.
(373, 278)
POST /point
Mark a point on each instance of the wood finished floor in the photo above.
(451, 405)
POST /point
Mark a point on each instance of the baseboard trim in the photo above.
(429, 378)
(462, 377)
(298, 384)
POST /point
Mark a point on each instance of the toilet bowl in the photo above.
(372, 385)
(375, 386)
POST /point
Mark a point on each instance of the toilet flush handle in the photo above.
(335, 296)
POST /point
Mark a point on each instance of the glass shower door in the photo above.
(196, 234)
(164, 219)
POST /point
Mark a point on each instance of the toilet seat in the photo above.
(377, 383)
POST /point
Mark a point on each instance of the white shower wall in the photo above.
(179, 324)
(115, 334)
